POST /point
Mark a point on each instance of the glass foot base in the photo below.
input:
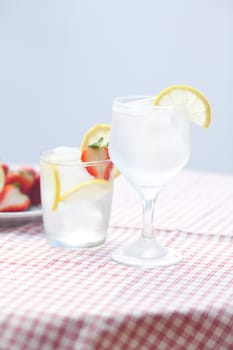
(146, 253)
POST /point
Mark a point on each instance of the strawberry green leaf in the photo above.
(99, 144)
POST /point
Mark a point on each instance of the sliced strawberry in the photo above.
(34, 194)
(28, 175)
(29, 169)
(23, 178)
(5, 168)
(92, 154)
(13, 200)
(13, 177)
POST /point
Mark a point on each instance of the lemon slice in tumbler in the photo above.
(189, 99)
(51, 180)
(57, 187)
(92, 189)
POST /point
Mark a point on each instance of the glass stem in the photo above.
(148, 214)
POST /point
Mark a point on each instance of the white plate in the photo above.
(21, 217)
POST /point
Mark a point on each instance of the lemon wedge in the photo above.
(57, 187)
(96, 137)
(189, 99)
(90, 189)
(2, 178)
(51, 181)
(96, 133)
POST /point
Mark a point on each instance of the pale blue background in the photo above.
(63, 62)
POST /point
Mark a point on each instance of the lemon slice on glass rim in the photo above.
(189, 99)
(97, 133)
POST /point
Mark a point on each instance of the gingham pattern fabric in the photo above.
(53, 298)
(194, 202)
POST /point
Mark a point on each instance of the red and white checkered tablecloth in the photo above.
(53, 298)
(196, 202)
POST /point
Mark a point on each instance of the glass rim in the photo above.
(120, 102)
(44, 156)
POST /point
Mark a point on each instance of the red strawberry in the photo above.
(5, 168)
(13, 200)
(94, 154)
(28, 169)
(28, 174)
(23, 177)
(35, 191)
(13, 177)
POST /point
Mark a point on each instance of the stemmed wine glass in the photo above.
(149, 145)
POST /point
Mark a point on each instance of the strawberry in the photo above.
(92, 154)
(28, 169)
(13, 200)
(35, 191)
(28, 174)
(5, 168)
(24, 178)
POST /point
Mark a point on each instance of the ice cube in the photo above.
(64, 153)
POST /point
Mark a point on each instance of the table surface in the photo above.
(54, 298)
